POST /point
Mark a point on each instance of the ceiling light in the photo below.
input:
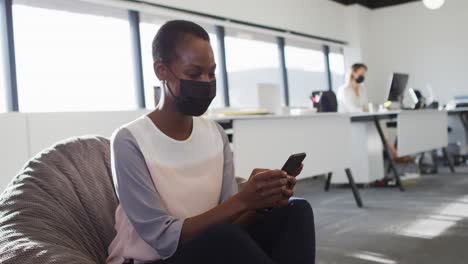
(433, 4)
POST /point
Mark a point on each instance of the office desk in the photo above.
(418, 131)
(267, 142)
(366, 155)
(459, 129)
(370, 117)
(27, 134)
(458, 111)
(375, 118)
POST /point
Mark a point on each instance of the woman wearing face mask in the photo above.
(174, 176)
(352, 96)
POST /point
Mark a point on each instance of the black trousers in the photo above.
(284, 235)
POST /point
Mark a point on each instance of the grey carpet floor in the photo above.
(426, 224)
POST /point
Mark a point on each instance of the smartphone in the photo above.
(293, 163)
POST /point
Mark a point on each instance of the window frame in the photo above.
(8, 55)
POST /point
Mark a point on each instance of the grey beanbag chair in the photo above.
(60, 208)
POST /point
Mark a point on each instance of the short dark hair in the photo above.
(173, 33)
(357, 66)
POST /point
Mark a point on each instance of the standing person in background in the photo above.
(352, 96)
(174, 177)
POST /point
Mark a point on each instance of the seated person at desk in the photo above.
(174, 176)
(352, 96)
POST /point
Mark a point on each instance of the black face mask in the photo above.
(195, 96)
(360, 79)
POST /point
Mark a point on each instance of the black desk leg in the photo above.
(327, 181)
(389, 154)
(356, 194)
(435, 161)
(421, 159)
(449, 160)
(395, 144)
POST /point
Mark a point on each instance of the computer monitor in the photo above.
(397, 87)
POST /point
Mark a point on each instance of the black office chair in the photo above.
(324, 101)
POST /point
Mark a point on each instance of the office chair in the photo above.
(324, 101)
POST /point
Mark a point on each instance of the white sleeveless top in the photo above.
(348, 101)
(183, 170)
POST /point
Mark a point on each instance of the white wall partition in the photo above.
(420, 131)
(14, 147)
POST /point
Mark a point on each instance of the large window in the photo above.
(71, 60)
(148, 28)
(78, 56)
(250, 62)
(306, 72)
(337, 68)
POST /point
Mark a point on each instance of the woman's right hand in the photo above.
(263, 189)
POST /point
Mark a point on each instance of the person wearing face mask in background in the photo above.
(352, 96)
(174, 176)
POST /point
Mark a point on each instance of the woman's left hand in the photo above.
(288, 191)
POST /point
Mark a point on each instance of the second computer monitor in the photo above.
(397, 87)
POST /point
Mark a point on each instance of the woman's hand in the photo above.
(288, 190)
(264, 189)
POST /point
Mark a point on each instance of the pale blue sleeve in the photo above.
(139, 198)
(229, 187)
